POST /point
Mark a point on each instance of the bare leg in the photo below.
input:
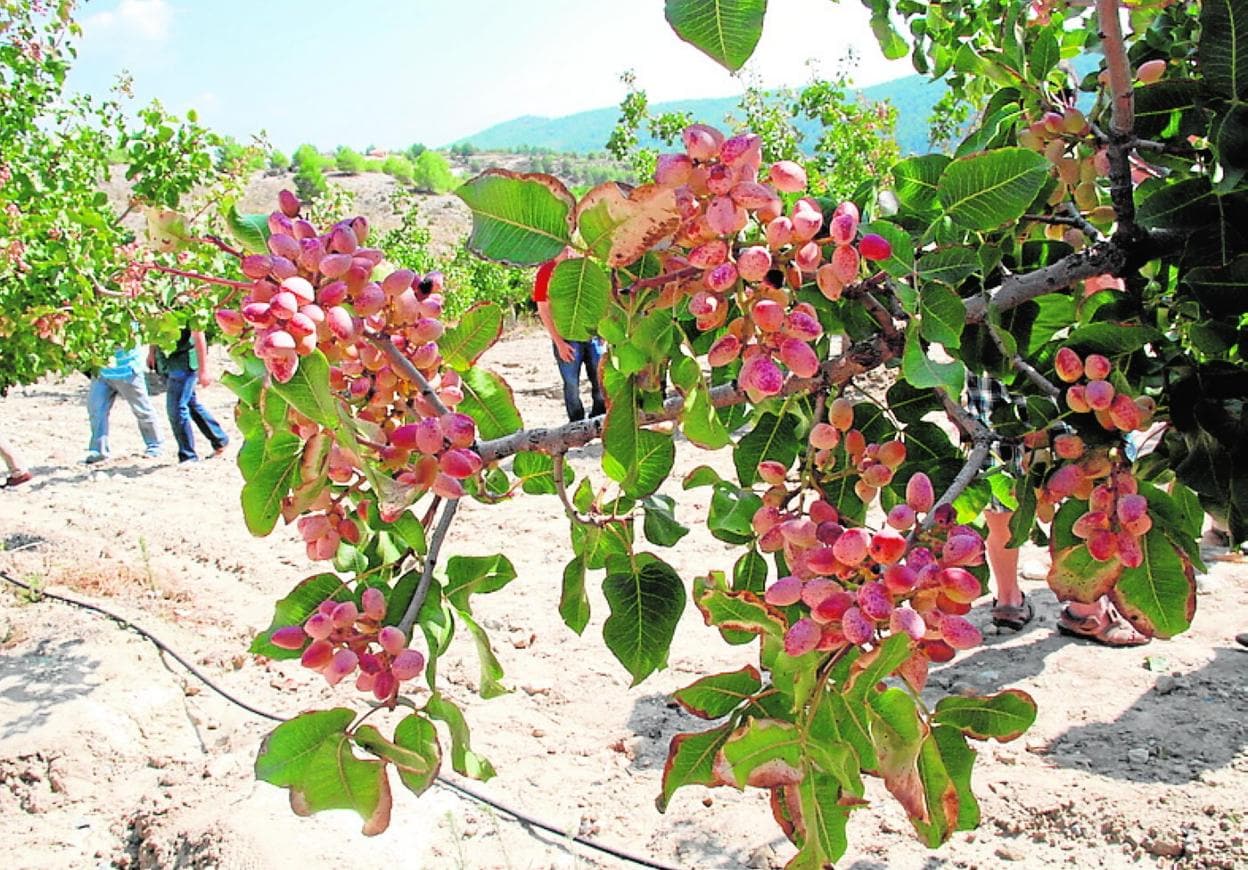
(1002, 559)
(10, 458)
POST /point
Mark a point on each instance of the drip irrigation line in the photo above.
(520, 816)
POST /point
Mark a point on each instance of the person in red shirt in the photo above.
(570, 356)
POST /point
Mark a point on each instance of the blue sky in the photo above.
(394, 72)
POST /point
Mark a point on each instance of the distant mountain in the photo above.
(583, 132)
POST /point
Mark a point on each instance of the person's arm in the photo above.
(201, 354)
(565, 349)
(151, 357)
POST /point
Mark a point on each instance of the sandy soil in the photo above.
(111, 756)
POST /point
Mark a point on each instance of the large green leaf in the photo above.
(699, 421)
(295, 609)
(536, 473)
(824, 819)
(473, 575)
(488, 401)
(731, 513)
(638, 459)
(646, 597)
(1178, 206)
(311, 755)
(727, 31)
(691, 761)
(262, 495)
(987, 190)
(897, 734)
(1223, 291)
(1076, 576)
(943, 315)
(1003, 716)
(949, 266)
(1223, 50)
(579, 290)
(517, 218)
(477, 330)
(308, 391)
(719, 694)
(1158, 597)
(414, 751)
(773, 437)
(1110, 338)
(573, 602)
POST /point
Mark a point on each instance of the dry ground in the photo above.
(111, 756)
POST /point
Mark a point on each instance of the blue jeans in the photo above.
(100, 399)
(184, 409)
(587, 354)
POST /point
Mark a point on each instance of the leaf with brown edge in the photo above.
(518, 218)
(1003, 717)
(719, 694)
(690, 761)
(897, 734)
(1158, 597)
(1075, 576)
(765, 753)
(620, 225)
(873, 667)
(739, 611)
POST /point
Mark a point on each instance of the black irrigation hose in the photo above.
(523, 818)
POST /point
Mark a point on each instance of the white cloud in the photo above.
(147, 20)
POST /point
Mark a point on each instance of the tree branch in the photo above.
(408, 369)
(981, 443)
(1122, 116)
(426, 576)
(1046, 386)
(561, 488)
(1109, 256)
(858, 359)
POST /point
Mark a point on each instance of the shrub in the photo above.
(399, 167)
(278, 160)
(347, 160)
(432, 172)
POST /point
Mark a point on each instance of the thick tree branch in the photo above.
(981, 443)
(1108, 256)
(858, 359)
(1122, 116)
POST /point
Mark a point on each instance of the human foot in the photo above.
(1012, 616)
(1109, 629)
(16, 478)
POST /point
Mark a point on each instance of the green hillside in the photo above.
(584, 132)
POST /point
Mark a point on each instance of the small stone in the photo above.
(538, 732)
(1005, 853)
(1166, 684)
(1163, 848)
(761, 858)
(1139, 755)
(521, 640)
(190, 690)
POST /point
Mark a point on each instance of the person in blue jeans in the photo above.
(122, 377)
(570, 356)
(184, 369)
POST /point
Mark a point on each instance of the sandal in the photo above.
(17, 478)
(1012, 616)
(1115, 631)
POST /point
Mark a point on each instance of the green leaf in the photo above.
(691, 761)
(900, 263)
(731, 513)
(909, 404)
(536, 473)
(478, 328)
(646, 598)
(824, 818)
(892, 46)
(1223, 50)
(773, 437)
(661, 527)
(1221, 290)
(1158, 597)
(923, 372)
(958, 759)
(1045, 53)
(475, 575)
(295, 609)
(766, 753)
(1111, 338)
(518, 219)
(749, 574)
(703, 475)
(488, 401)
(872, 668)
(638, 459)
(897, 735)
(719, 694)
(738, 611)
(573, 602)
(700, 423)
(311, 755)
(308, 391)
(598, 542)
(579, 289)
(463, 759)
(1076, 576)
(414, 752)
(726, 31)
(491, 670)
(248, 384)
(251, 231)
(1003, 716)
(949, 266)
(262, 495)
(1178, 206)
(916, 181)
(984, 191)
(943, 315)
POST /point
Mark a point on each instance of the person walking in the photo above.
(570, 356)
(186, 367)
(18, 472)
(122, 377)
